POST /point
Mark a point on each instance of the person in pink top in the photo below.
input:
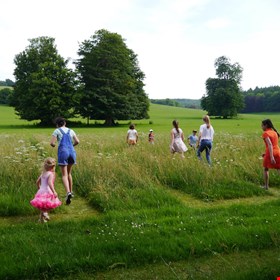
(46, 197)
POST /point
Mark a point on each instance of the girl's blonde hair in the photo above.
(206, 119)
(49, 163)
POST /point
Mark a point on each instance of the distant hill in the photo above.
(177, 102)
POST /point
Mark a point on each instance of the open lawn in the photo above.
(137, 212)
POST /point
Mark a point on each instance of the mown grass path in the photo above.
(80, 209)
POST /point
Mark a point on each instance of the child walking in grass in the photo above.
(46, 197)
(151, 137)
(205, 139)
(177, 140)
(132, 135)
(193, 139)
(271, 157)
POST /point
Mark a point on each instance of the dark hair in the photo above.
(176, 125)
(268, 123)
(132, 126)
(59, 121)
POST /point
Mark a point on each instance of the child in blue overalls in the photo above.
(66, 153)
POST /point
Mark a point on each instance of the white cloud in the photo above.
(218, 23)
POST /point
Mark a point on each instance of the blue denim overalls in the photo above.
(66, 151)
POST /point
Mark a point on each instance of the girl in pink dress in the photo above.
(46, 197)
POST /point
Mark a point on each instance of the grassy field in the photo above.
(137, 212)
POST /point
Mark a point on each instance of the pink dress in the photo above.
(44, 198)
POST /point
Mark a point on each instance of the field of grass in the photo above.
(137, 212)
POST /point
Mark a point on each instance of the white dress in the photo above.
(178, 145)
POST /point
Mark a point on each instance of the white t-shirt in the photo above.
(59, 135)
(206, 133)
(132, 134)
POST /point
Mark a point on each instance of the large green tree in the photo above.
(223, 95)
(44, 86)
(112, 82)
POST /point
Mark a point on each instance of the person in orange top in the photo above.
(271, 157)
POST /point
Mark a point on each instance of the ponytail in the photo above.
(176, 125)
(206, 119)
(276, 131)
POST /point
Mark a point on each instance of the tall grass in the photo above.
(114, 176)
(136, 189)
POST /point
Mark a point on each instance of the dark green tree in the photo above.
(44, 86)
(112, 82)
(227, 71)
(223, 96)
(5, 95)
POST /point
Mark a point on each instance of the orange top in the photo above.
(272, 135)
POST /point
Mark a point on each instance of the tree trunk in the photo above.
(109, 121)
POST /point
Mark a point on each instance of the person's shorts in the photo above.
(66, 157)
(131, 141)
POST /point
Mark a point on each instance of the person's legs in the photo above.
(46, 216)
(200, 149)
(208, 151)
(64, 174)
(266, 178)
(70, 180)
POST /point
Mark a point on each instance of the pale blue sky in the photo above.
(177, 41)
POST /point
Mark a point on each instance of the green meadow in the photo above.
(138, 212)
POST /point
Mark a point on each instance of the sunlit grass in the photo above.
(141, 194)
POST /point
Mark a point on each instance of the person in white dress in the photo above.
(177, 140)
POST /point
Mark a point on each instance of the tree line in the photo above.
(266, 99)
(178, 102)
(107, 83)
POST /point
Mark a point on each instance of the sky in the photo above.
(177, 41)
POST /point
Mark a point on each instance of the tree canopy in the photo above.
(112, 82)
(223, 96)
(44, 86)
(227, 71)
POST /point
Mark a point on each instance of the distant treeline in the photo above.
(186, 103)
(265, 99)
(7, 83)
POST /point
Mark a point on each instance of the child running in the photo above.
(66, 154)
(46, 197)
